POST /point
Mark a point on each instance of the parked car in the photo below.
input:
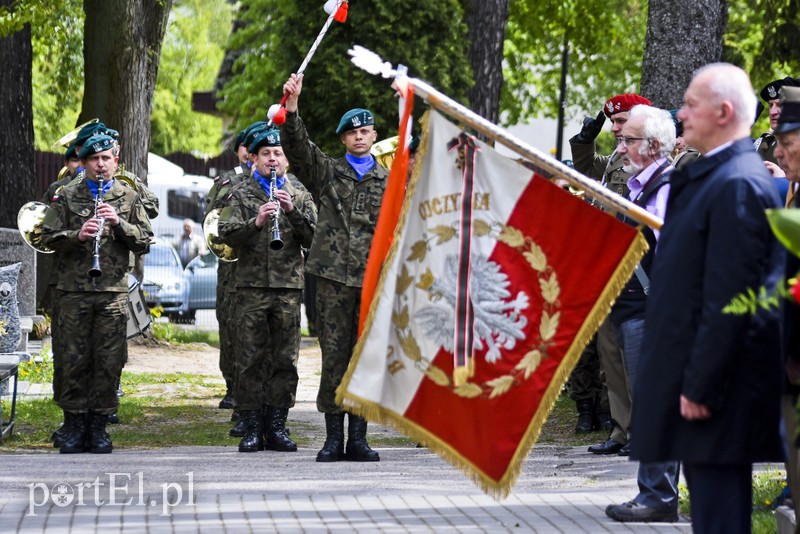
(202, 275)
(165, 282)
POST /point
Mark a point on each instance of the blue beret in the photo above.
(271, 137)
(96, 143)
(355, 118)
(253, 131)
(88, 131)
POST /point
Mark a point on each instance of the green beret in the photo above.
(271, 137)
(355, 118)
(789, 119)
(238, 141)
(253, 131)
(112, 133)
(71, 151)
(96, 143)
(88, 131)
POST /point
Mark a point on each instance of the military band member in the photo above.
(92, 310)
(349, 191)
(268, 222)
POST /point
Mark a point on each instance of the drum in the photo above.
(138, 312)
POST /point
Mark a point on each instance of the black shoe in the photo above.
(633, 511)
(333, 449)
(625, 450)
(585, 409)
(608, 447)
(99, 440)
(238, 429)
(234, 415)
(358, 450)
(253, 440)
(227, 402)
(275, 438)
(113, 418)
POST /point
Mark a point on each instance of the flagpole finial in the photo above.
(371, 62)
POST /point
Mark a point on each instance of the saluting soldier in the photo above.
(348, 191)
(268, 222)
(92, 311)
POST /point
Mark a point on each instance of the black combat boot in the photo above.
(333, 450)
(357, 447)
(238, 429)
(120, 393)
(227, 401)
(99, 440)
(602, 418)
(75, 431)
(253, 440)
(276, 438)
(585, 416)
(113, 419)
(59, 434)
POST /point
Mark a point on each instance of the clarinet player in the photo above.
(268, 220)
(94, 223)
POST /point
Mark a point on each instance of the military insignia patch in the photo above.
(772, 92)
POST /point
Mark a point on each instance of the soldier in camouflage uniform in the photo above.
(608, 169)
(348, 192)
(269, 279)
(92, 312)
(225, 304)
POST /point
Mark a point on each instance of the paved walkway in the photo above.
(218, 489)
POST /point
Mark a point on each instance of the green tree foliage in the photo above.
(190, 57)
(427, 37)
(606, 44)
(57, 43)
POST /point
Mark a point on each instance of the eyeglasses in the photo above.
(628, 141)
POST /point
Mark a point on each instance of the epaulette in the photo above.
(226, 182)
(216, 178)
(230, 196)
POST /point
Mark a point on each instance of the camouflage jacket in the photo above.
(149, 199)
(606, 169)
(348, 207)
(258, 265)
(765, 146)
(47, 198)
(73, 206)
(222, 186)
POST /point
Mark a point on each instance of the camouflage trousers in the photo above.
(586, 380)
(268, 344)
(226, 319)
(55, 338)
(338, 309)
(92, 328)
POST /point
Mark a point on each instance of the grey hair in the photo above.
(658, 124)
(729, 82)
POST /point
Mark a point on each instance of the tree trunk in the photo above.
(486, 30)
(682, 36)
(17, 173)
(122, 46)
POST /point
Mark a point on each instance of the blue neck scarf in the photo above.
(94, 185)
(264, 181)
(361, 165)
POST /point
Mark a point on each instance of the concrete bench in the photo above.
(9, 369)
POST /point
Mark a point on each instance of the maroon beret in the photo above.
(623, 103)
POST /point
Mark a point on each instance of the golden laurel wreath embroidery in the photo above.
(548, 325)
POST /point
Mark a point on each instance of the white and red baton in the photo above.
(337, 10)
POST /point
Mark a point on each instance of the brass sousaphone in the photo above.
(222, 251)
(384, 151)
(29, 224)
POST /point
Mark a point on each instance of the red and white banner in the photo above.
(495, 281)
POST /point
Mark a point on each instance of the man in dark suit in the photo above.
(708, 389)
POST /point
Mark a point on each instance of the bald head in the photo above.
(719, 107)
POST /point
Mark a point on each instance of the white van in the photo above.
(180, 196)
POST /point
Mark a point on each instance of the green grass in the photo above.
(176, 334)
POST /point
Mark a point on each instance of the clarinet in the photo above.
(95, 272)
(276, 243)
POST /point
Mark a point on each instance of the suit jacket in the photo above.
(716, 243)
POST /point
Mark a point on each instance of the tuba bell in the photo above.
(222, 251)
(29, 224)
(384, 151)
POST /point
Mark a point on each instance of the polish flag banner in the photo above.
(495, 281)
